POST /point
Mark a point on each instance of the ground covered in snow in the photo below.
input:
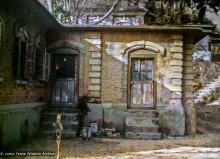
(199, 147)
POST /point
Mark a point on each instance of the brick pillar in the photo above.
(188, 95)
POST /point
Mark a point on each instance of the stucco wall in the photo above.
(19, 123)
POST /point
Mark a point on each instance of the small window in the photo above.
(42, 65)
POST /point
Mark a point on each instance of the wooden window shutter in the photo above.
(39, 56)
(29, 61)
(47, 66)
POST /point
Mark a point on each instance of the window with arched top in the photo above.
(23, 52)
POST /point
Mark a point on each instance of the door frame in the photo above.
(77, 60)
(142, 56)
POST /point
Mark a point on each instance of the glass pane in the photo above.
(149, 75)
(135, 65)
(143, 66)
(149, 65)
(135, 76)
(143, 76)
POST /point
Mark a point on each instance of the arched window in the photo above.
(22, 48)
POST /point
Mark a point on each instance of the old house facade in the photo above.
(133, 75)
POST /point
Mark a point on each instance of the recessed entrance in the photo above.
(65, 79)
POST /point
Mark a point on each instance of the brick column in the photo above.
(188, 95)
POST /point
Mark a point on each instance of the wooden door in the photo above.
(65, 80)
(142, 94)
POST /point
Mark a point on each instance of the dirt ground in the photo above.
(125, 148)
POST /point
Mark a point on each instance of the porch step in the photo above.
(69, 121)
(143, 136)
(142, 125)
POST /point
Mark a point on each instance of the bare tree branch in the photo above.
(108, 13)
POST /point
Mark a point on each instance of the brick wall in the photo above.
(114, 71)
(10, 92)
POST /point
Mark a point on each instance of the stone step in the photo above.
(143, 136)
(64, 134)
(142, 129)
(66, 126)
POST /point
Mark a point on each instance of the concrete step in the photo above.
(64, 134)
(143, 136)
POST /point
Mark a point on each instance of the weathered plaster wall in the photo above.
(19, 123)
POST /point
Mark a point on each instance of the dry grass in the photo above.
(101, 147)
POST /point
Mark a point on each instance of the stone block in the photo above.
(178, 56)
(178, 43)
(176, 49)
(94, 74)
(94, 61)
(95, 81)
(94, 87)
(96, 55)
(175, 69)
(176, 63)
(172, 120)
(177, 82)
(96, 68)
(176, 88)
(175, 75)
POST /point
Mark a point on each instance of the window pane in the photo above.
(143, 76)
(149, 76)
(135, 65)
(135, 76)
(143, 67)
(149, 65)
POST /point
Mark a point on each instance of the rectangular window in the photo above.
(42, 65)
